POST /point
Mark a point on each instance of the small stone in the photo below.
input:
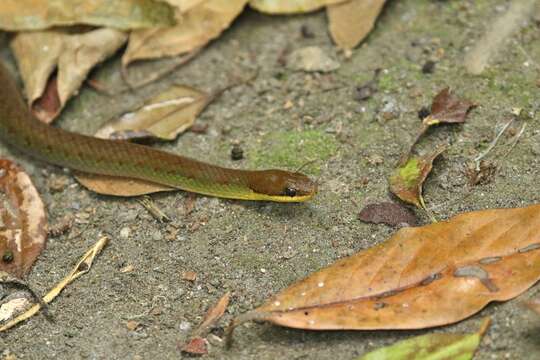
(306, 32)
(132, 325)
(237, 153)
(156, 236)
(423, 113)
(311, 59)
(125, 232)
(429, 67)
(185, 326)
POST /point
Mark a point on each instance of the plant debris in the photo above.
(24, 221)
(311, 59)
(407, 180)
(431, 346)
(410, 282)
(351, 21)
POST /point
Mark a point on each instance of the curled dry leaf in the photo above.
(415, 279)
(387, 213)
(23, 221)
(290, 6)
(350, 22)
(195, 28)
(72, 55)
(432, 346)
(164, 116)
(406, 182)
(197, 344)
(446, 108)
(20, 15)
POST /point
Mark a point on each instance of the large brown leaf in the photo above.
(421, 277)
(23, 221)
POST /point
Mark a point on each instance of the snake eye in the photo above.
(289, 191)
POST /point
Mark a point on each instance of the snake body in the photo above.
(19, 128)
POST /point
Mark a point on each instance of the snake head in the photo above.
(283, 186)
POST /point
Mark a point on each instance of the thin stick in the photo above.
(491, 145)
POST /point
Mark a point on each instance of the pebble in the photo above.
(125, 232)
(156, 235)
(311, 59)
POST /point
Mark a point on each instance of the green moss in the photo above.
(410, 172)
(290, 150)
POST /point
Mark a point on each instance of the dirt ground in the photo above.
(286, 118)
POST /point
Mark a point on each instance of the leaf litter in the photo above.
(23, 221)
(407, 180)
(197, 343)
(20, 15)
(432, 346)
(415, 279)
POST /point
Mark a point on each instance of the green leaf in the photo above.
(432, 347)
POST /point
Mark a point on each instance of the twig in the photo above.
(515, 141)
(491, 145)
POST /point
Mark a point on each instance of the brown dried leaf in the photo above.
(72, 55)
(197, 344)
(164, 116)
(406, 182)
(446, 108)
(415, 279)
(17, 15)
(194, 29)
(350, 22)
(290, 6)
(387, 213)
(23, 221)
(118, 186)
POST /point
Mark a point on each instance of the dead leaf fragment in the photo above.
(350, 22)
(290, 6)
(164, 116)
(119, 186)
(407, 180)
(195, 28)
(71, 55)
(197, 344)
(440, 346)
(189, 275)
(408, 281)
(20, 15)
(23, 220)
(387, 213)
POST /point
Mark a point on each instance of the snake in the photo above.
(20, 129)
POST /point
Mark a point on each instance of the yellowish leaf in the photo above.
(290, 6)
(350, 22)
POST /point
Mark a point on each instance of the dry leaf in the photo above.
(406, 182)
(119, 186)
(82, 267)
(446, 108)
(23, 221)
(290, 6)
(311, 59)
(432, 346)
(421, 277)
(197, 344)
(73, 55)
(164, 116)
(387, 213)
(350, 22)
(194, 29)
(17, 15)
